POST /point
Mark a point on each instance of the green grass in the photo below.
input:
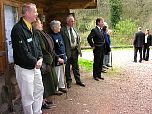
(87, 66)
(87, 50)
(113, 49)
(118, 49)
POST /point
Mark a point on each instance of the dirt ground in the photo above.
(127, 91)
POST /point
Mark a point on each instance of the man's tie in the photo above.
(72, 37)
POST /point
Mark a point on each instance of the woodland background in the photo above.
(123, 18)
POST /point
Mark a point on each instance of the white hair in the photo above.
(54, 23)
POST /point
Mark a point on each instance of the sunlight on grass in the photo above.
(121, 49)
(87, 66)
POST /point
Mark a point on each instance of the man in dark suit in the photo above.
(73, 49)
(138, 44)
(147, 43)
(97, 41)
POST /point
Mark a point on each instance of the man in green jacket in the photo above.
(73, 49)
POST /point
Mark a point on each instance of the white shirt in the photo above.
(146, 38)
(99, 28)
(75, 37)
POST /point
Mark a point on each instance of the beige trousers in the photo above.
(31, 88)
(60, 75)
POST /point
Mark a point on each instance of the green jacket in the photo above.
(49, 76)
(67, 43)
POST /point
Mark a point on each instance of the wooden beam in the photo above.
(91, 5)
(72, 4)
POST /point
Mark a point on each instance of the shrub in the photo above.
(124, 32)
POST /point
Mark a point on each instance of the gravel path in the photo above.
(127, 91)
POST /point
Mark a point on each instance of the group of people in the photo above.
(43, 59)
(142, 42)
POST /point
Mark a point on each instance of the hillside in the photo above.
(135, 13)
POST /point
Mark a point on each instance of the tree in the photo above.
(115, 11)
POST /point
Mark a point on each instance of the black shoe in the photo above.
(101, 78)
(104, 71)
(146, 59)
(68, 85)
(108, 65)
(45, 106)
(48, 102)
(104, 66)
(63, 90)
(58, 93)
(81, 84)
(140, 61)
(96, 79)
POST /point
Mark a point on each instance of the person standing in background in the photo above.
(97, 41)
(138, 44)
(107, 48)
(147, 43)
(72, 47)
(28, 60)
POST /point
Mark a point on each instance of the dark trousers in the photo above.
(135, 53)
(73, 60)
(98, 61)
(146, 50)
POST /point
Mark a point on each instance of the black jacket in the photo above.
(96, 37)
(149, 40)
(26, 49)
(139, 39)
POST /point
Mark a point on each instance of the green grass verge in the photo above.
(87, 66)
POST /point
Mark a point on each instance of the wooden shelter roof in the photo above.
(70, 4)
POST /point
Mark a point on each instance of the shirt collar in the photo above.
(69, 27)
(99, 27)
(29, 26)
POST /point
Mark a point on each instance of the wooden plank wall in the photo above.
(2, 46)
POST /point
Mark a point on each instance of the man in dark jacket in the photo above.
(96, 40)
(28, 60)
(138, 44)
(147, 43)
